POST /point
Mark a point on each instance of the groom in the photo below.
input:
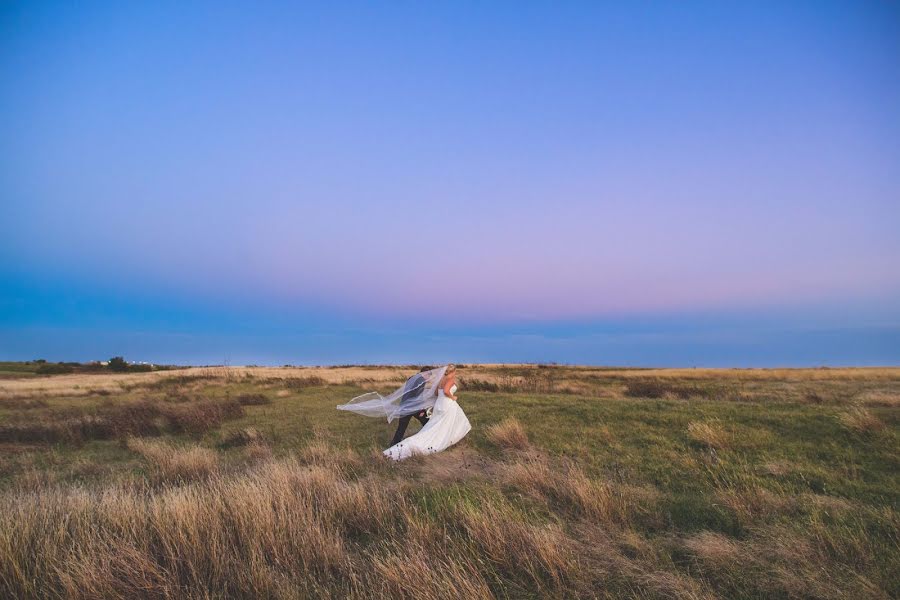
(412, 389)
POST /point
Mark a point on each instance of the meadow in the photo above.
(575, 482)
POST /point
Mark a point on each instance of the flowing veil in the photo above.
(418, 393)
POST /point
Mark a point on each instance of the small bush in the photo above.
(117, 363)
(509, 433)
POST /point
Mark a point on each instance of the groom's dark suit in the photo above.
(414, 387)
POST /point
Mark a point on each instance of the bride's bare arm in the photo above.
(447, 385)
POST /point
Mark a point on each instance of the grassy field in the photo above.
(574, 482)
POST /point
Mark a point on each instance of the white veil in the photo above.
(418, 393)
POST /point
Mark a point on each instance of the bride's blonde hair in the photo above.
(450, 368)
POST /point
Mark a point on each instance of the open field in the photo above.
(574, 482)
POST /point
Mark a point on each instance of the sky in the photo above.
(640, 183)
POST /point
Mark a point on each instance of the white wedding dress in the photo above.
(448, 424)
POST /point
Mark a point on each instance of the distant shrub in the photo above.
(140, 368)
(117, 363)
(299, 383)
(57, 369)
(656, 388)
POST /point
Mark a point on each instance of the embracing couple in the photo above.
(430, 397)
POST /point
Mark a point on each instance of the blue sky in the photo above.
(614, 183)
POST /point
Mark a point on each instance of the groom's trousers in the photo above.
(404, 423)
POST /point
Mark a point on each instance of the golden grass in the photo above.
(710, 434)
(571, 378)
(509, 433)
(170, 463)
(861, 420)
(639, 506)
(283, 526)
(502, 536)
(713, 547)
(567, 485)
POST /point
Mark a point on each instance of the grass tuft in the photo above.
(710, 434)
(861, 420)
(509, 434)
(173, 463)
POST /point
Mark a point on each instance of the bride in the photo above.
(435, 389)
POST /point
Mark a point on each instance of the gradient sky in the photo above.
(637, 183)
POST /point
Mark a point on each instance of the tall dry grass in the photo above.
(257, 535)
(711, 434)
(170, 463)
(286, 528)
(861, 420)
(566, 485)
(509, 433)
(311, 526)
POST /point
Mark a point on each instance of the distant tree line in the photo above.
(115, 364)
